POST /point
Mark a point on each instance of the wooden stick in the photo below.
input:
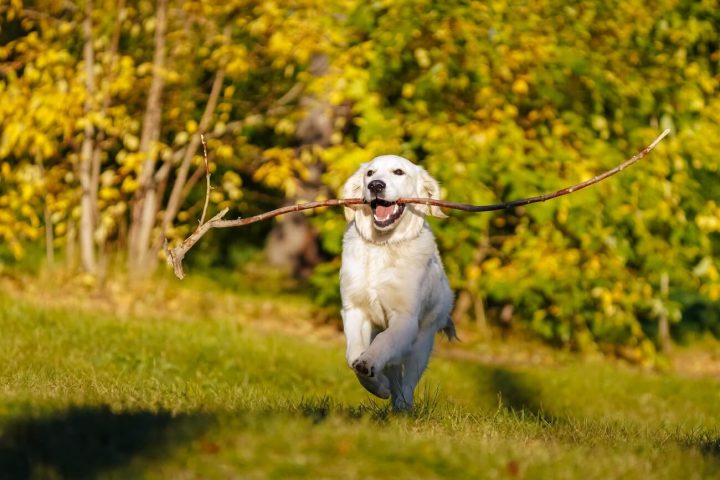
(176, 255)
(540, 198)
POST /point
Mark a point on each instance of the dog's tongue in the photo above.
(383, 213)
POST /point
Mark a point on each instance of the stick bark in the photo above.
(176, 255)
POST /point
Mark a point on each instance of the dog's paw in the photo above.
(361, 367)
(378, 385)
(401, 404)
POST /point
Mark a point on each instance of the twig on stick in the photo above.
(175, 255)
(207, 178)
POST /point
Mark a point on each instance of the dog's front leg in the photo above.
(388, 346)
(358, 333)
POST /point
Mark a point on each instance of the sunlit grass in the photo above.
(86, 394)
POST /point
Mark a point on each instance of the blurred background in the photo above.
(102, 104)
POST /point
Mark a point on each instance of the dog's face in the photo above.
(381, 182)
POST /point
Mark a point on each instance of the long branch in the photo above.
(176, 255)
(540, 198)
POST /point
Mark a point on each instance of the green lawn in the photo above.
(128, 396)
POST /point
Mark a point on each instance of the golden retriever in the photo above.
(395, 294)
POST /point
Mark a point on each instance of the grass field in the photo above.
(101, 393)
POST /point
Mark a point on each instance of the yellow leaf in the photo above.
(422, 57)
(109, 193)
(520, 87)
(131, 142)
(408, 90)
(129, 185)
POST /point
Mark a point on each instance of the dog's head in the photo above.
(380, 183)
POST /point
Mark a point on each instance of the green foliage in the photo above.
(504, 101)
(700, 316)
(497, 100)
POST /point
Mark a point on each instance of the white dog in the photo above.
(395, 295)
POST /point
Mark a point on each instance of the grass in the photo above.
(88, 393)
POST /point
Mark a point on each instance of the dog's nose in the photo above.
(376, 186)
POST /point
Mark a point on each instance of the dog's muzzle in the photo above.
(385, 213)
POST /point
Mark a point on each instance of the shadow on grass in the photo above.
(84, 442)
(519, 396)
(318, 409)
(708, 444)
(524, 400)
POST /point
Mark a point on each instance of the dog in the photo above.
(395, 294)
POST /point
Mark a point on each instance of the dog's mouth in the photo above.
(386, 213)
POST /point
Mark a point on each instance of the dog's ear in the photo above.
(429, 187)
(353, 189)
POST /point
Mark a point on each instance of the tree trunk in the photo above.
(664, 323)
(145, 205)
(468, 299)
(70, 238)
(293, 243)
(176, 195)
(87, 203)
(96, 165)
(49, 238)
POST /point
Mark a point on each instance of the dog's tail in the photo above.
(449, 330)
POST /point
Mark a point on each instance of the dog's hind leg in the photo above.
(413, 368)
(394, 373)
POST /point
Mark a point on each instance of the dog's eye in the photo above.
(398, 172)
(370, 173)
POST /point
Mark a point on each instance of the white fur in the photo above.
(395, 294)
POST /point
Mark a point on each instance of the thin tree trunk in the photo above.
(49, 238)
(480, 317)
(87, 204)
(176, 197)
(462, 306)
(196, 176)
(97, 151)
(664, 322)
(70, 238)
(467, 300)
(145, 205)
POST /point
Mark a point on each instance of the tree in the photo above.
(88, 181)
(501, 102)
(145, 201)
(498, 101)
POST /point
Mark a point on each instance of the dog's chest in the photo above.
(383, 280)
(375, 279)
